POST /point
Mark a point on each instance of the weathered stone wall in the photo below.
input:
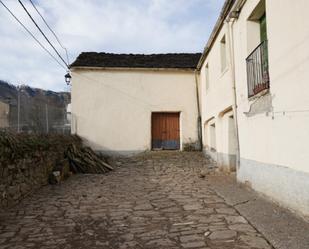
(25, 175)
(26, 163)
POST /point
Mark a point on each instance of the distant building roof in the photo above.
(182, 60)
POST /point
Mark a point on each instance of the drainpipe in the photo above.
(199, 118)
(234, 14)
(232, 63)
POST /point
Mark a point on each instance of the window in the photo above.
(256, 26)
(207, 76)
(223, 54)
(263, 35)
(263, 28)
(257, 61)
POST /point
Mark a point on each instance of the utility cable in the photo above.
(42, 33)
(58, 40)
(29, 32)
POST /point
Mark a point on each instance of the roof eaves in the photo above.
(134, 68)
(224, 12)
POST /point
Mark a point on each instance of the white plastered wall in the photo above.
(112, 108)
(286, 130)
(218, 98)
(274, 145)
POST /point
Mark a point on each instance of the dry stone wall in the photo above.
(27, 163)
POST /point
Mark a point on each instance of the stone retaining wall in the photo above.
(21, 178)
(27, 163)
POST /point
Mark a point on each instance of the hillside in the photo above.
(40, 110)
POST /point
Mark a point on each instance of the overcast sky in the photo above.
(117, 26)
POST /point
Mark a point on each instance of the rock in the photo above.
(242, 228)
(89, 232)
(145, 206)
(161, 242)
(14, 192)
(99, 243)
(225, 210)
(24, 188)
(11, 167)
(222, 235)
(206, 233)
(2, 188)
(190, 238)
(7, 234)
(235, 219)
(254, 242)
(54, 177)
(184, 223)
(203, 174)
(189, 207)
(196, 244)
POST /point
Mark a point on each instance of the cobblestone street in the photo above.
(155, 200)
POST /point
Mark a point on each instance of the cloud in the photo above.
(122, 26)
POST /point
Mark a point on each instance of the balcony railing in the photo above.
(257, 70)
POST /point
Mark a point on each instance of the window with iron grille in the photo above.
(257, 63)
(257, 70)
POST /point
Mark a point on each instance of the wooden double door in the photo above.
(165, 131)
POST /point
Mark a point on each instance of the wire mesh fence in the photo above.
(34, 114)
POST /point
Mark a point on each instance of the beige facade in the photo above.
(112, 108)
(4, 115)
(273, 129)
(272, 116)
(217, 98)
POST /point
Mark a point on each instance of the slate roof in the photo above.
(93, 59)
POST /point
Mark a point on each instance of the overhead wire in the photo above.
(43, 33)
(51, 30)
(29, 32)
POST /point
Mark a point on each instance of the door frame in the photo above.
(180, 128)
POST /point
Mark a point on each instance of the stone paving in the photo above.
(155, 200)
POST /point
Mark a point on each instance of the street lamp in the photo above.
(68, 78)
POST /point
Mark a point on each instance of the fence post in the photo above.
(18, 108)
(46, 113)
